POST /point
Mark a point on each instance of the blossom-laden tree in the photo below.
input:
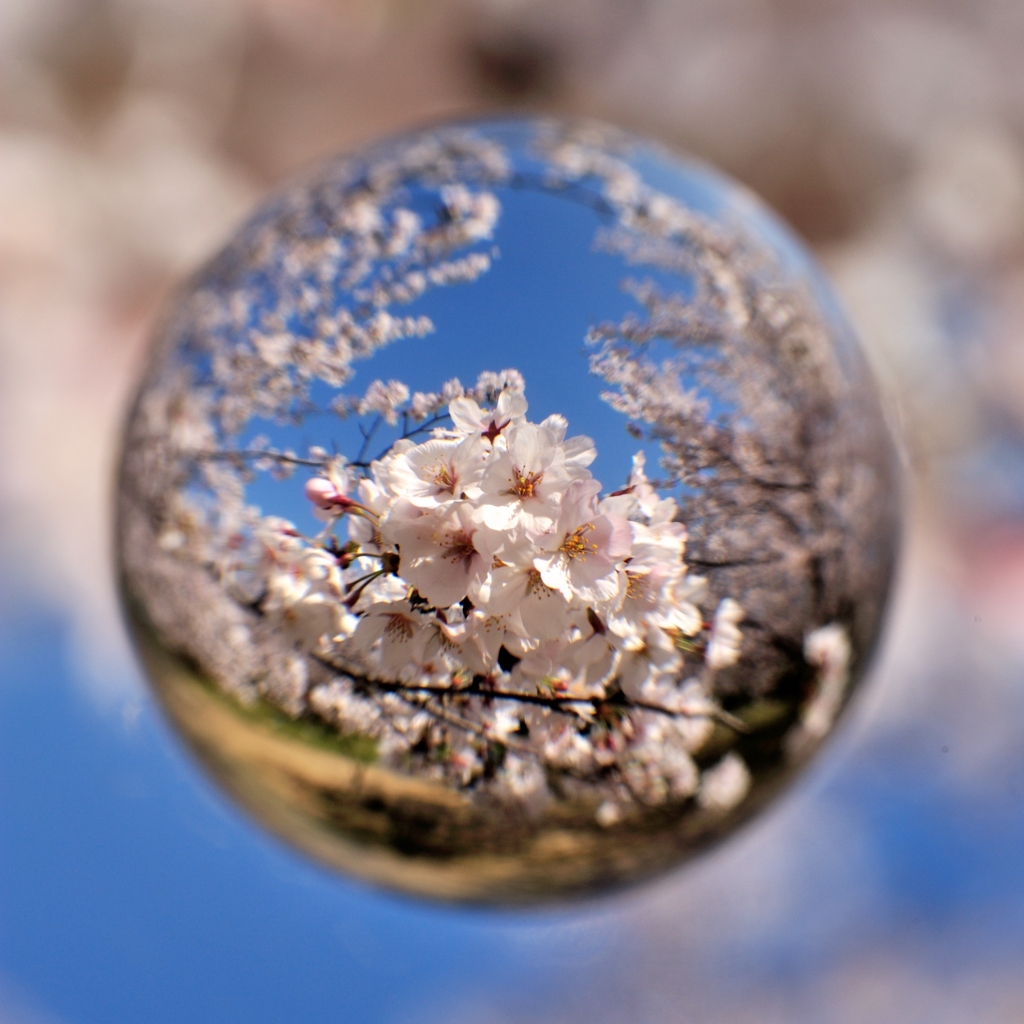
(477, 603)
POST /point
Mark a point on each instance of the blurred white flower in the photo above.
(726, 639)
(725, 785)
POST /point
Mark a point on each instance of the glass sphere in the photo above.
(506, 512)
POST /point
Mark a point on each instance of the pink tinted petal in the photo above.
(620, 537)
(543, 612)
(579, 453)
(511, 405)
(532, 449)
(442, 583)
(579, 504)
(466, 415)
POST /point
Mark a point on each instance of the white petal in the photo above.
(466, 415)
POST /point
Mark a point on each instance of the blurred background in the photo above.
(888, 886)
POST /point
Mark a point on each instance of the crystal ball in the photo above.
(507, 512)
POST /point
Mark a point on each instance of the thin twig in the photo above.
(368, 436)
(361, 463)
(406, 434)
(256, 453)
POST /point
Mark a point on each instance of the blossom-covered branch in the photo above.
(473, 594)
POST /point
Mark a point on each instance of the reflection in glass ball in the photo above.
(506, 512)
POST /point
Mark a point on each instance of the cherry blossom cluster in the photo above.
(497, 538)
(486, 592)
(475, 602)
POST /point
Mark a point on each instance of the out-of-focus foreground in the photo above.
(135, 133)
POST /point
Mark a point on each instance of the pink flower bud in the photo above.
(326, 496)
(320, 491)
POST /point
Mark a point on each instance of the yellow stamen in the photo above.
(635, 585)
(443, 478)
(524, 484)
(575, 546)
(459, 547)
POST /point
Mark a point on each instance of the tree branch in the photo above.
(563, 705)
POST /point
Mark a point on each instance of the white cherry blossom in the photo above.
(528, 475)
(384, 399)
(724, 645)
(303, 597)
(483, 561)
(435, 472)
(543, 611)
(580, 556)
(469, 418)
(395, 632)
(446, 554)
